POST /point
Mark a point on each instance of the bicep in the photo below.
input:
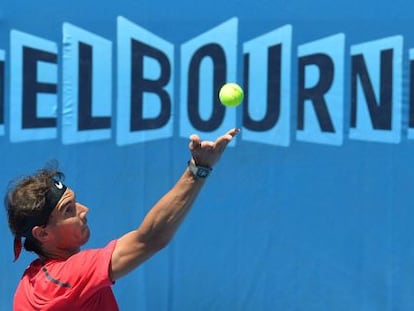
(130, 251)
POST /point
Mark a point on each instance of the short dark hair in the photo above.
(25, 199)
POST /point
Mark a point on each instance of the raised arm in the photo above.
(163, 220)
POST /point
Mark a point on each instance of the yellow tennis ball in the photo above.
(231, 95)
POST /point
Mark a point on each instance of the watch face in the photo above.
(202, 172)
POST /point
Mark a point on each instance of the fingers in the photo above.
(220, 143)
(233, 132)
(207, 153)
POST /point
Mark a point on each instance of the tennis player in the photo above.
(44, 212)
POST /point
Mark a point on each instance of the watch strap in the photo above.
(198, 170)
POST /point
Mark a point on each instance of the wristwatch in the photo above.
(199, 171)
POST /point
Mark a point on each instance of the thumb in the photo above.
(195, 142)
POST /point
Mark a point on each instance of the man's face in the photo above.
(68, 224)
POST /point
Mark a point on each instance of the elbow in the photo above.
(156, 244)
(161, 243)
(156, 240)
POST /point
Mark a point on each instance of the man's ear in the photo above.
(40, 233)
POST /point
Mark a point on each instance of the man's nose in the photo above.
(83, 210)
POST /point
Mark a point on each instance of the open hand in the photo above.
(207, 153)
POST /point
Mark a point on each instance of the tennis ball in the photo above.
(231, 95)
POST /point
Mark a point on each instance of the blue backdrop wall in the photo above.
(310, 208)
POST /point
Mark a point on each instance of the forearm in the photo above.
(163, 220)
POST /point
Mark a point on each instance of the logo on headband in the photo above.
(59, 185)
